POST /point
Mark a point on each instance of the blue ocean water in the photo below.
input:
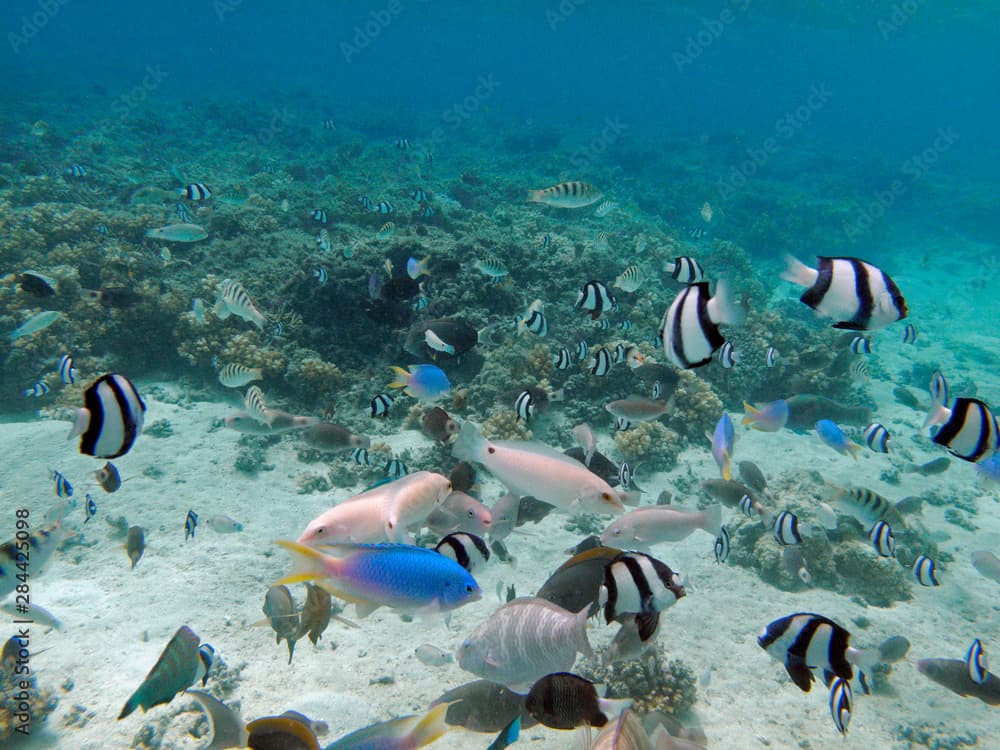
(773, 128)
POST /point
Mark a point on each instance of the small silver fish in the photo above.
(222, 524)
(432, 656)
(178, 233)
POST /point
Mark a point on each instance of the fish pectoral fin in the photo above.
(365, 608)
(799, 671)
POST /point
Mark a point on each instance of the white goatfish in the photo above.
(533, 468)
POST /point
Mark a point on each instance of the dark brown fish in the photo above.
(954, 675)
(565, 701)
(937, 466)
(463, 477)
(315, 613)
(35, 284)
(893, 649)
(532, 510)
(600, 464)
(452, 331)
(115, 296)
(135, 544)
(577, 582)
(280, 610)
(805, 409)
(437, 425)
(484, 706)
(727, 491)
(400, 289)
(331, 438)
(109, 478)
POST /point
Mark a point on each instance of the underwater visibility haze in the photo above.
(568, 372)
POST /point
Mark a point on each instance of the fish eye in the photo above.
(471, 512)
(468, 588)
(320, 531)
(491, 449)
(617, 532)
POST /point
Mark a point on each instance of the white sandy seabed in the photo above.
(117, 621)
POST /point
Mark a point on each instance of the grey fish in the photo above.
(280, 610)
(752, 476)
(135, 544)
(937, 466)
(225, 728)
(987, 564)
(331, 438)
(175, 670)
(432, 656)
(954, 675)
(223, 524)
(577, 582)
(178, 233)
(727, 491)
(34, 324)
(905, 397)
(893, 649)
(504, 517)
(532, 510)
(484, 706)
(460, 512)
(525, 640)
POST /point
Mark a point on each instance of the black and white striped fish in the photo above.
(62, 486)
(582, 350)
(595, 298)
(535, 322)
(747, 507)
(861, 345)
(426, 210)
(938, 389)
(183, 213)
(602, 325)
(75, 170)
(622, 424)
(360, 457)
(637, 583)
(726, 355)
(524, 406)
(319, 215)
(877, 437)
(196, 191)
(722, 545)
(910, 334)
(319, 273)
(856, 295)
(690, 327)
(697, 233)
(66, 371)
(968, 429)
(787, 529)
(468, 550)
(328, 124)
(805, 641)
(419, 195)
(562, 359)
(381, 404)
(111, 418)
(190, 524)
(686, 270)
(841, 703)
(366, 202)
(771, 356)
(38, 390)
(600, 363)
(925, 571)
(625, 475)
(383, 207)
(403, 144)
(860, 371)
(975, 663)
(102, 229)
(395, 468)
(882, 539)
(90, 508)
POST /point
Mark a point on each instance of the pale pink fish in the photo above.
(524, 640)
(533, 468)
(643, 527)
(586, 440)
(638, 408)
(504, 516)
(280, 421)
(460, 512)
(383, 513)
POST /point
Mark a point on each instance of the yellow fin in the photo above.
(402, 378)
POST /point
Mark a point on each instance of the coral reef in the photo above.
(504, 425)
(649, 442)
(652, 682)
(23, 704)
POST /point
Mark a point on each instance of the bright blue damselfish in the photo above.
(833, 436)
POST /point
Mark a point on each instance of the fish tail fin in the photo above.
(751, 413)
(559, 394)
(633, 499)
(937, 415)
(581, 621)
(257, 318)
(852, 448)
(134, 701)
(401, 379)
(727, 467)
(713, 519)
(469, 443)
(721, 308)
(309, 564)
(430, 728)
(534, 196)
(798, 272)
(257, 373)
